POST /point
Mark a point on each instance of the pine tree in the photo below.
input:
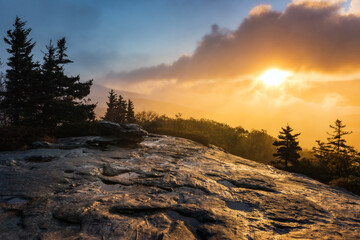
(69, 103)
(336, 154)
(2, 92)
(130, 112)
(60, 98)
(47, 88)
(336, 140)
(2, 83)
(110, 114)
(287, 146)
(121, 110)
(21, 76)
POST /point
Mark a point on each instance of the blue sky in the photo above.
(105, 36)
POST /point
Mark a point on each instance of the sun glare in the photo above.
(274, 77)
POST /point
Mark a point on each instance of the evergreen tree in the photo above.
(130, 112)
(47, 88)
(110, 114)
(336, 154)
(66, 94)
(287, 146)
(2, 83)
(21, 75)
(121, 110)
(2, 92)
(336, 140)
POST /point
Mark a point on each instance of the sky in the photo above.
(258, 64)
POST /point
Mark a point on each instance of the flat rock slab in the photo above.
(164, 188)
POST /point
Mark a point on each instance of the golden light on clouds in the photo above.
(274, 77)
(260, 9)
(231, 75)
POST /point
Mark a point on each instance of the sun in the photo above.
(274, 77)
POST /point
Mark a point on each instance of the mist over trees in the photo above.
(258, 145)
(255, 144)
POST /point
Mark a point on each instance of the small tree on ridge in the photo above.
(287, 146)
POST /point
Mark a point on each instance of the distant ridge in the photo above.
(100, 93)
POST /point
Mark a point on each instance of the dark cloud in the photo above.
(307, 37)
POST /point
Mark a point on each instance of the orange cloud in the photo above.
(260, 9)
(306, 36)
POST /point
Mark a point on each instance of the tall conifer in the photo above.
(130, 117)
(21, 75)
(65, 97)
(110, 114)
(121, 110)
(339, 157)
(287, 146)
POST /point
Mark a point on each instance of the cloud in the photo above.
(260, 9)
(313, 36)
(354, 7)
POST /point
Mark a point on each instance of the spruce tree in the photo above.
(70, 105)
(60, 98)
(121, 110)
(130, 117)
(2, 82)
(110, 114)
(21, 75)
(2, 92)
(335, 153)
(336, 141)
(287, 146)
(48, 88)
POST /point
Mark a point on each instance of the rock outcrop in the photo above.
(165, 188)
(124, 133)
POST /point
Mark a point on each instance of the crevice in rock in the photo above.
(289, 220)
(253, 184)
(214, 175)
(69, 218)
(200, 215)
(39, 159)
(240, 206)
(191, 223)
(137, 210)
(116, 183)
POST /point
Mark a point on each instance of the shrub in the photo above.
(351, 183)
(20, 137)
(76, 130)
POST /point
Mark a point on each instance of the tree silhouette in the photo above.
(47, 89)
(20, 76)
(130, 117)
(118, 110)
(2, 83)
(121, 110)
(2, 92)
(287, 146)
(336, 140)
(110, 114)
(335, 153)
(61, 96)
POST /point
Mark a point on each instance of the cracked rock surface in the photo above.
(164, 188)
